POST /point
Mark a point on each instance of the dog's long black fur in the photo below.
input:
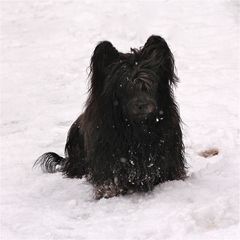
(114, 151)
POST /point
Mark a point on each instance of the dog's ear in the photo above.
(103, 56)
(157, 52)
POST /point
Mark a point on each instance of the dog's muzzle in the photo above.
(140, 108)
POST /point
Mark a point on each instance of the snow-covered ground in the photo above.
(45, 51)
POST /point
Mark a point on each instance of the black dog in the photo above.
(129, 137)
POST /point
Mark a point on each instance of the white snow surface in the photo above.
(45, 52)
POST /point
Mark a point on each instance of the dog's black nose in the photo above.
(143, 108)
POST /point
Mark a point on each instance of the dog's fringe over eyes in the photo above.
(129, 137)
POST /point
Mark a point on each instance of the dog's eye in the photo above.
(144, 88)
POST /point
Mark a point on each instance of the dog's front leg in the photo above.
(107, 190)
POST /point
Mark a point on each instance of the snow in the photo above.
(45, 51)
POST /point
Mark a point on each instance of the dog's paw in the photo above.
(106, 190)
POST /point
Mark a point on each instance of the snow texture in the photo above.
(45, 51)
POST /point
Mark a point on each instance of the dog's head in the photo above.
(135, 83)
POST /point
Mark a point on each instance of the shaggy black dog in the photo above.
(129, 137)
